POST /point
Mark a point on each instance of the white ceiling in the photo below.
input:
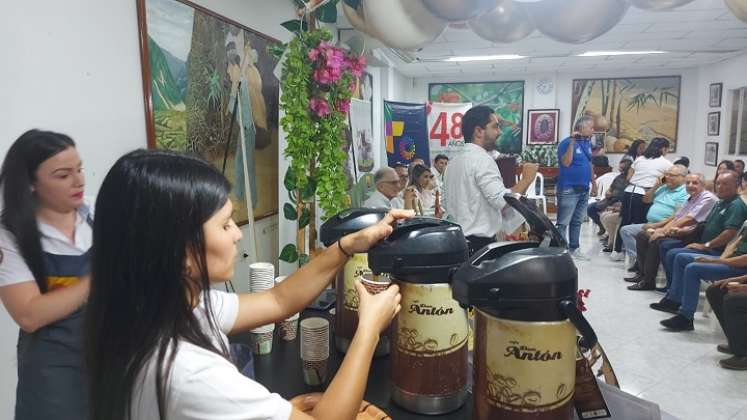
(701, 32)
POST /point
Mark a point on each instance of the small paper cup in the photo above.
(375, 286)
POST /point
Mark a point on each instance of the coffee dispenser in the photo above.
(346, 317)
(526, 325)
(429, 335)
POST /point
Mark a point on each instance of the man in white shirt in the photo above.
(473, 186)
(387, 188)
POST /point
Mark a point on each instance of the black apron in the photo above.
(51, 379)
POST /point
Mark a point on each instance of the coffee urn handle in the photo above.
(588, 336)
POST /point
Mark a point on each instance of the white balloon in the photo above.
(659, 4)
(738, 7)
(508, 22)
(458, 10)
(576, 21)
(403, 24)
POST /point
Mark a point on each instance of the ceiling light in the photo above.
(608, 53)
(486, 57)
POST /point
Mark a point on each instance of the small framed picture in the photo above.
(711, 153)
(714, 123)
(542, 126)
(714, 95)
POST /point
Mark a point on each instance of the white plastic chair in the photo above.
(604, 182)
(533, 188)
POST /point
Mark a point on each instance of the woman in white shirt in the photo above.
(421, 184)
(45, 236)
(157, 342)
(643, 175)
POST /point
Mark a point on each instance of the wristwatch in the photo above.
(707, 245)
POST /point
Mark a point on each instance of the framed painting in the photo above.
(711, 153)
(506, 98)
(542, 126)
(209, 89)
(715, 91)
(627, 109)
(714, 123)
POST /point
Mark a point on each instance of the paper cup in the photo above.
(315, 372)
(375, 286)
(262, 343)
(289, 328)
(261, 277)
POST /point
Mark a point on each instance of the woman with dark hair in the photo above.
(156, 331)
(636, 149)
(45, 237)
(420, 188)
(644, 172)
(724, 166)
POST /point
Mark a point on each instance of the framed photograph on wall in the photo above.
(714, 123)
(711, 153)
(542, 126)
(714, 95)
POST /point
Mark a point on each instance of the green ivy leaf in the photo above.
(303, 259)
(290, 180)
(328, 12)
(289, 254)
(276, 50)
(296, 26)
(303, 221)
(289, 210)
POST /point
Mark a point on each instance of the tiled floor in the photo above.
(679, 371)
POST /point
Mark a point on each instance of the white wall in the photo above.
(561, 97)
(74, 67)
(733, 74)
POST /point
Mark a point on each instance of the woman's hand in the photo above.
(736, 288)
(699, 247)
(708, 260)
(363, 240)
(306, 403)
(375, 312)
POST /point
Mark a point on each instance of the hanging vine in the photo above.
(317, 82)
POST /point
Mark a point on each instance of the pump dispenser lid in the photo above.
(494, 278)
(420, 250)
(349, 221)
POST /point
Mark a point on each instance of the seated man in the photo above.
(647, 241)
(666, 195)
(728, 298)
(612, 195)
(720, 227)
(387, 187)
(688, 272)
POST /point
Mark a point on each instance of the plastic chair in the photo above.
(537, 185)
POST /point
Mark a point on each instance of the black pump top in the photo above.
(349, 221)
(512, 274)
(420, 250)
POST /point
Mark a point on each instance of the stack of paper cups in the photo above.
(315, 350)
(289, 328)
(261, 277)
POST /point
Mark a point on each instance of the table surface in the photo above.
(281, 372)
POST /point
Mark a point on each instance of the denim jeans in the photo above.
(628, 234)
(571, 209)
(667, 259)
(687, 275)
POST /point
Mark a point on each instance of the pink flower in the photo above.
(320, 107)
(314, 54)
(356, 65)
(343, 106)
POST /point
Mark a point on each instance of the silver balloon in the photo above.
(457, 10)
(508, 22)
(738, 7)
(659, 4)
(402, 24)
(576, 21)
